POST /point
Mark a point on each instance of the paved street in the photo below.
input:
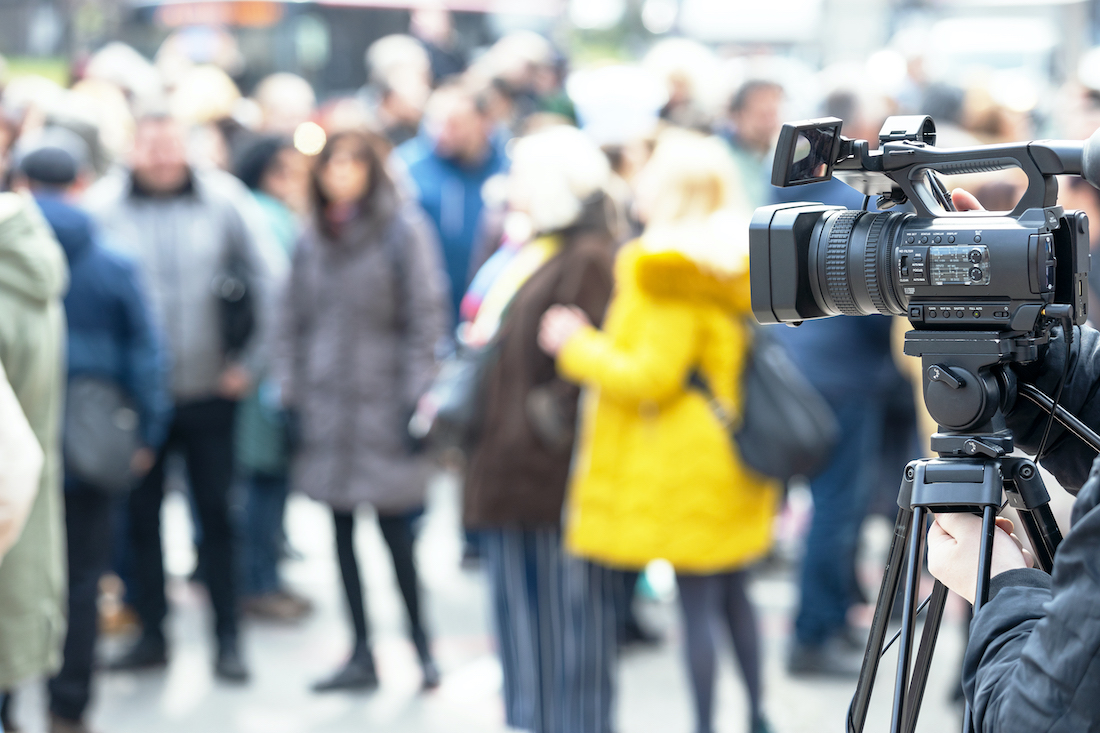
(286, 659)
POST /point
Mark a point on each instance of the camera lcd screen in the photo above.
(806, 153)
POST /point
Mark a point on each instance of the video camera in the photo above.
(982, 291)
(973, 271)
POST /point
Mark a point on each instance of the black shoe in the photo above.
(431, 675)
(65, 725)
(7, 723)
(147, 653)
(427, 663)
(822, 660)
(358, 675)
(230, 666)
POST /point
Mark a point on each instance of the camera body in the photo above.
(943, 270)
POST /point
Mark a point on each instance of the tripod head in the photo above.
(967, 387)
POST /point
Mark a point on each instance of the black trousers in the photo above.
(88, 514)
(203, 432)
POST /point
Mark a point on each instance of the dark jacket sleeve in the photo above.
(147, 370)
(294, 313)
(426, 305)
(1033, 660)
(1067, 457)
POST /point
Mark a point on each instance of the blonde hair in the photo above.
(691, 176)
(694, 201)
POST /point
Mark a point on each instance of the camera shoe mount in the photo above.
(966, 390)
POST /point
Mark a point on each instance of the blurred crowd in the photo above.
(249, 295)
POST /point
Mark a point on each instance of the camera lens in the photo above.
(853, 253)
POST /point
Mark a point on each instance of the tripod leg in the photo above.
(923, 664)
(985, 562)
(909, 617)
(1028, 495)
(857, 711)
(1042, 530)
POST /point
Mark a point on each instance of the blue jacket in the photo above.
(450, 195)
(111, 333)
(843, 357)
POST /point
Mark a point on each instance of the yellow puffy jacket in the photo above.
(656, 474)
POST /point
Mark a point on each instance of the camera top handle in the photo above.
(898, 170)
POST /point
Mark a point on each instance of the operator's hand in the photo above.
(559, 324)
(965, 201)
(954, 545)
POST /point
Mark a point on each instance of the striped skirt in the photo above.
(555, 621)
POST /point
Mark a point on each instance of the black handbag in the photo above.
(787, 428)
(100, 434)
(458, 397)
(233, 288)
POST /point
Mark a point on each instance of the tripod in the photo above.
(966, 390)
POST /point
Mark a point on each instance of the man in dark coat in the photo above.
(1033, 660)
(111, 337)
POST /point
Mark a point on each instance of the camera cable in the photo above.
(1062, 313)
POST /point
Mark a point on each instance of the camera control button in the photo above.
(975, 256)
(932, 313)
(916, 312)
(910, 239)
(976, 273)
(976, 314)
(960, 313)
(937, 239)
(977, 238)
(951, 239)
(924, 239)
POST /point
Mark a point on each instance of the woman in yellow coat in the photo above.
(656, 474)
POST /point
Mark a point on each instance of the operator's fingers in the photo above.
(959, 523)
(965, 201)
(1006, 524)
(1028, 557)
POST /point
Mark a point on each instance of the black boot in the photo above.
(427, 663)
(149, 652)
(357, 674)
(230, 666)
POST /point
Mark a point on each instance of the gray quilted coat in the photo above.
(361, 319)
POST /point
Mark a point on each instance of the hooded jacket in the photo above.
(33, 277)
(656, 475)
(111, 333)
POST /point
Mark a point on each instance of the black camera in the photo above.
(944, 270)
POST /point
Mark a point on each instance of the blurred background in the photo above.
(622, 71)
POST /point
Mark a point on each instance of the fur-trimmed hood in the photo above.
(701, 260)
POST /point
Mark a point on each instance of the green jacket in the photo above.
(33, 278)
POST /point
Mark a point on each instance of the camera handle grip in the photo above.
(915, 161)
(1040, 160)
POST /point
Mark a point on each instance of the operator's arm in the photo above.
(1067, 458)
(1033, 661)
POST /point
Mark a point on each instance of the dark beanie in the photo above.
(49, 165)
(54, 156)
